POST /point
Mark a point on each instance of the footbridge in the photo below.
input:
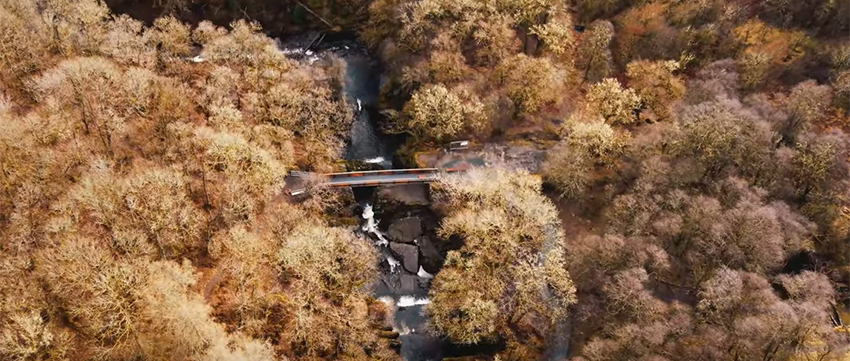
(374, 178)
(384, 177)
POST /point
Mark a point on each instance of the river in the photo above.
(361, 84)
(404, 291)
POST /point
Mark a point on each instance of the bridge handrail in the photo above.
(299, 173)
(382, 172)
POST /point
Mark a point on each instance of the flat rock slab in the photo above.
(408, 284)
(405, 230)
(410, 194)
(409, 255)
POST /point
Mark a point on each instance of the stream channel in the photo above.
(402, 282)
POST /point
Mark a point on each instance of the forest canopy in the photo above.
(688, 198)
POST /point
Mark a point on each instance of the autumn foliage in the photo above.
(692, 202)
(137, 210)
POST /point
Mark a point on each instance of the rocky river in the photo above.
(397, 221)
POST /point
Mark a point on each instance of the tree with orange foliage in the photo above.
(657, 85)
(766, 51)
(643, 33)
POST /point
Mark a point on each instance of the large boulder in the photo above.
(405, 230)
(401, 285)
(409, 255)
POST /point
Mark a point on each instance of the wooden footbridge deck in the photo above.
(384, 177)
(373, 178)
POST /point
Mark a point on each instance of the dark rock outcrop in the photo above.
(409, 255)
(431, 258)
(405, 230)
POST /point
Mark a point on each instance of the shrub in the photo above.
(435, 112)
(612, 102)
(530, 83)
(656, 85)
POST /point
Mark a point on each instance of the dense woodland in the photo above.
(694, 202)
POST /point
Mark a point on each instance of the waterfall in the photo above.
(407, 301)
(423, 274)
(371, 226)
(376, 160)
(394, 263)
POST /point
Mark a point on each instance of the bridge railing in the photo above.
(382, 172)
(369, 178)
(299, 174)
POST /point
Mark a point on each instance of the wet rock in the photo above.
(432, 260)
(409, 255)
(408, 284)
(380, 283)
(421, 346)
(392, 282)
(405, 230)
(409, 194)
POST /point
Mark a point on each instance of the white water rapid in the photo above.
(371, 226)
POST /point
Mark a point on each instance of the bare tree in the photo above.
(594, 57)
